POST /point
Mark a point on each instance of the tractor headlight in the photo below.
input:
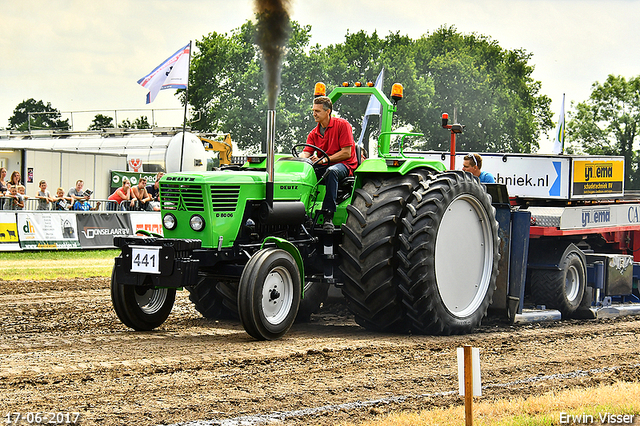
(196, 222)
(169, 221)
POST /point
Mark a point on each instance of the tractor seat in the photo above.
(345, 188)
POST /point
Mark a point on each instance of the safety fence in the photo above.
(62, 230)
(33, 203)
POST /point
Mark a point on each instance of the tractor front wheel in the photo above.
(141, 308)
(269, 294)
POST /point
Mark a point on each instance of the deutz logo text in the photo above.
(181, 179)
(288, 186)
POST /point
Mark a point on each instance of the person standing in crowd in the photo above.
(23, 191)
(15, 178)
(3, 182)
(140, 194)
(14, 200)
(472, 163)
(61, 202)
(154, 191)
(77, 193)
(44, 197)
(122, 194)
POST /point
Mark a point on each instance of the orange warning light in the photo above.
(320, 90)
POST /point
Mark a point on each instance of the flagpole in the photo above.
(186, 104)
(563, 125)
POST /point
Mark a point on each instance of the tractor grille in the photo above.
(224, 198)
(182, 196)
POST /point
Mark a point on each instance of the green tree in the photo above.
(228, 92)
(36, 115)
(100, 122)
(139, 123)
(607, 123)
(491, 88)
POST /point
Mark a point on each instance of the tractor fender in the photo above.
(292, 250)
(396, 165)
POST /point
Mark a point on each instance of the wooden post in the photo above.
(468, 386)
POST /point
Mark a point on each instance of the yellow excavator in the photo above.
(221, 144)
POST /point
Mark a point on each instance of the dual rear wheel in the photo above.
(420, 253)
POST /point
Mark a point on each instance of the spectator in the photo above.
(14, 200)
(44, 197)
(78, 193)
(84, 205)
(15, 178)
(154, 191)
(60, 202)
(123, 193)
(472, 163)
(3, 182)
(22, 191)
(140, 194)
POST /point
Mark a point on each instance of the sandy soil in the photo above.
(62, 349)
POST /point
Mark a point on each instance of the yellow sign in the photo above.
(598, 171)
(598, 176)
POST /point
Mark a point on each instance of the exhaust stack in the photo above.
(271, 135)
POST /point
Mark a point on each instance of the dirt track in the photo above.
(62, 349)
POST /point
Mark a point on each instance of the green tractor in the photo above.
(415, 247)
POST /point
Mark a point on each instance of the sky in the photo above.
(84, 55)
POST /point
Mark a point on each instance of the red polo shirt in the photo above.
(337, 135)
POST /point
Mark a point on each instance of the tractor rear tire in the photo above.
(368, 251)
(206, 300)
(448, 254)
(315, 294)
(141, 308)
(561, 289)
(269, 294)
(228, 291)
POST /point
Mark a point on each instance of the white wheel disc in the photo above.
(572, 283)
(464, 256)
(152, 300)
(277, 295)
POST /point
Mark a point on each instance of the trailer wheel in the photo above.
(269, 294)
(315, 294)
(561, 289)
(141, 308)
(206, 299)
(448, 254)
(368, 251)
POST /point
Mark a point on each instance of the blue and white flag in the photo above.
(373, 107)
(171, 74)
(558, 139)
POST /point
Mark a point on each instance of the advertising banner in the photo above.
(8, 232)
(600, 216)
(527, 176)
(597, 177)
(134, 177)
(98, 229)
(51, 230)
(149, 221)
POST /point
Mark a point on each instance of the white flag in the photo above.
(373, 107)
(171, 74)
(558, 139)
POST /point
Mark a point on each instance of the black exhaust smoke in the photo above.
(272, 37)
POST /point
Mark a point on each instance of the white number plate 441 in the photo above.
(145, 259)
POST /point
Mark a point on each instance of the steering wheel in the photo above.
(315, 148)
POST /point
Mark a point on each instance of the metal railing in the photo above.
(32, 203)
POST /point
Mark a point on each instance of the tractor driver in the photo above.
(334, 136)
